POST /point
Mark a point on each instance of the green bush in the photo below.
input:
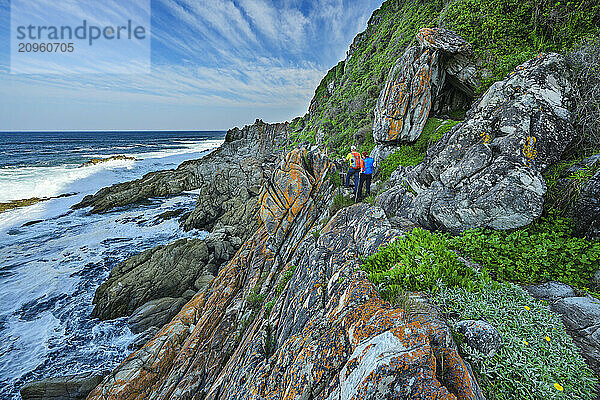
(545, 250)
(419, 261)
(527, 366)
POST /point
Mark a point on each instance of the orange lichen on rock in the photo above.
(323, 337)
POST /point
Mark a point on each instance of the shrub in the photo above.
(585, 62)
(564, 189)
(527, 366)
(418, 261)
(543, 251)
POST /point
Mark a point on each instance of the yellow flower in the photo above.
(558, 387)
(527, 308)
(547, 339)
(526, 342)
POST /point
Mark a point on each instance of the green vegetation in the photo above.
(255, 299)
(564, 189)
(413, 154)
(419, 261)
(534, 345)
(340, 201)
(504, 34)
(545, 250)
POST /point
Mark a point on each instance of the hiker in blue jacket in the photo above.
(367, 167)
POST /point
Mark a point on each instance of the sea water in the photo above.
(53, 258)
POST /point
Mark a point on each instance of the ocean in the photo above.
(53, 258)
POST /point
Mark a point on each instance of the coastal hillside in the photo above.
(503, 35)
(470, 272)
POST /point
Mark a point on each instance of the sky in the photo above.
(214, 64)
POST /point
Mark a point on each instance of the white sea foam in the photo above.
(25, 183)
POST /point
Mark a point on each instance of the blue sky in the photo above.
(215, 64)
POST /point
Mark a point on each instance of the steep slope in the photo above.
(503, 34)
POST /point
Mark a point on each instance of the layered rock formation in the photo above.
(436, 72)
(289, 317)
(244, 151)
(164, 271)
(487, 171)
(72, 387)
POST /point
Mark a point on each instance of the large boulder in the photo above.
(71, 387)
(418, 81)
(290, 317)
(164, 271)
(487, 171)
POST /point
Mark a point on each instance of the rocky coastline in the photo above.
(274, 302)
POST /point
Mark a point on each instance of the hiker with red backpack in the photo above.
(355, 166)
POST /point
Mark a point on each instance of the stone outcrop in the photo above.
(487, 171)
(230, 199)
(587, 208)
(72, 387)
(164, 271)
(436, 73)
(580, 314)
(290, 317)
(244, 149)
(155, 313)
(480, 336)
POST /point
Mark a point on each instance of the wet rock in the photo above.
(170, 214)
(143, 338)
(155, 313)
(320, 330)
(487, 171)
(551, 291)
(164, 271)
(418, 81)
(480, 336)
(71, 387)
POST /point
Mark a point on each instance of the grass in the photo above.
(339, 202)
(527, 366)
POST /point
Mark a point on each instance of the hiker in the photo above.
(367, 167)
(355, 166)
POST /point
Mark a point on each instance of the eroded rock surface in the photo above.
(164, 271)
(244, 149)
(487, 171)
(72, 387)
(289, 317)
(418, 81)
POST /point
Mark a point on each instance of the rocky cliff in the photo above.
(275, 304)
(289, 316)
